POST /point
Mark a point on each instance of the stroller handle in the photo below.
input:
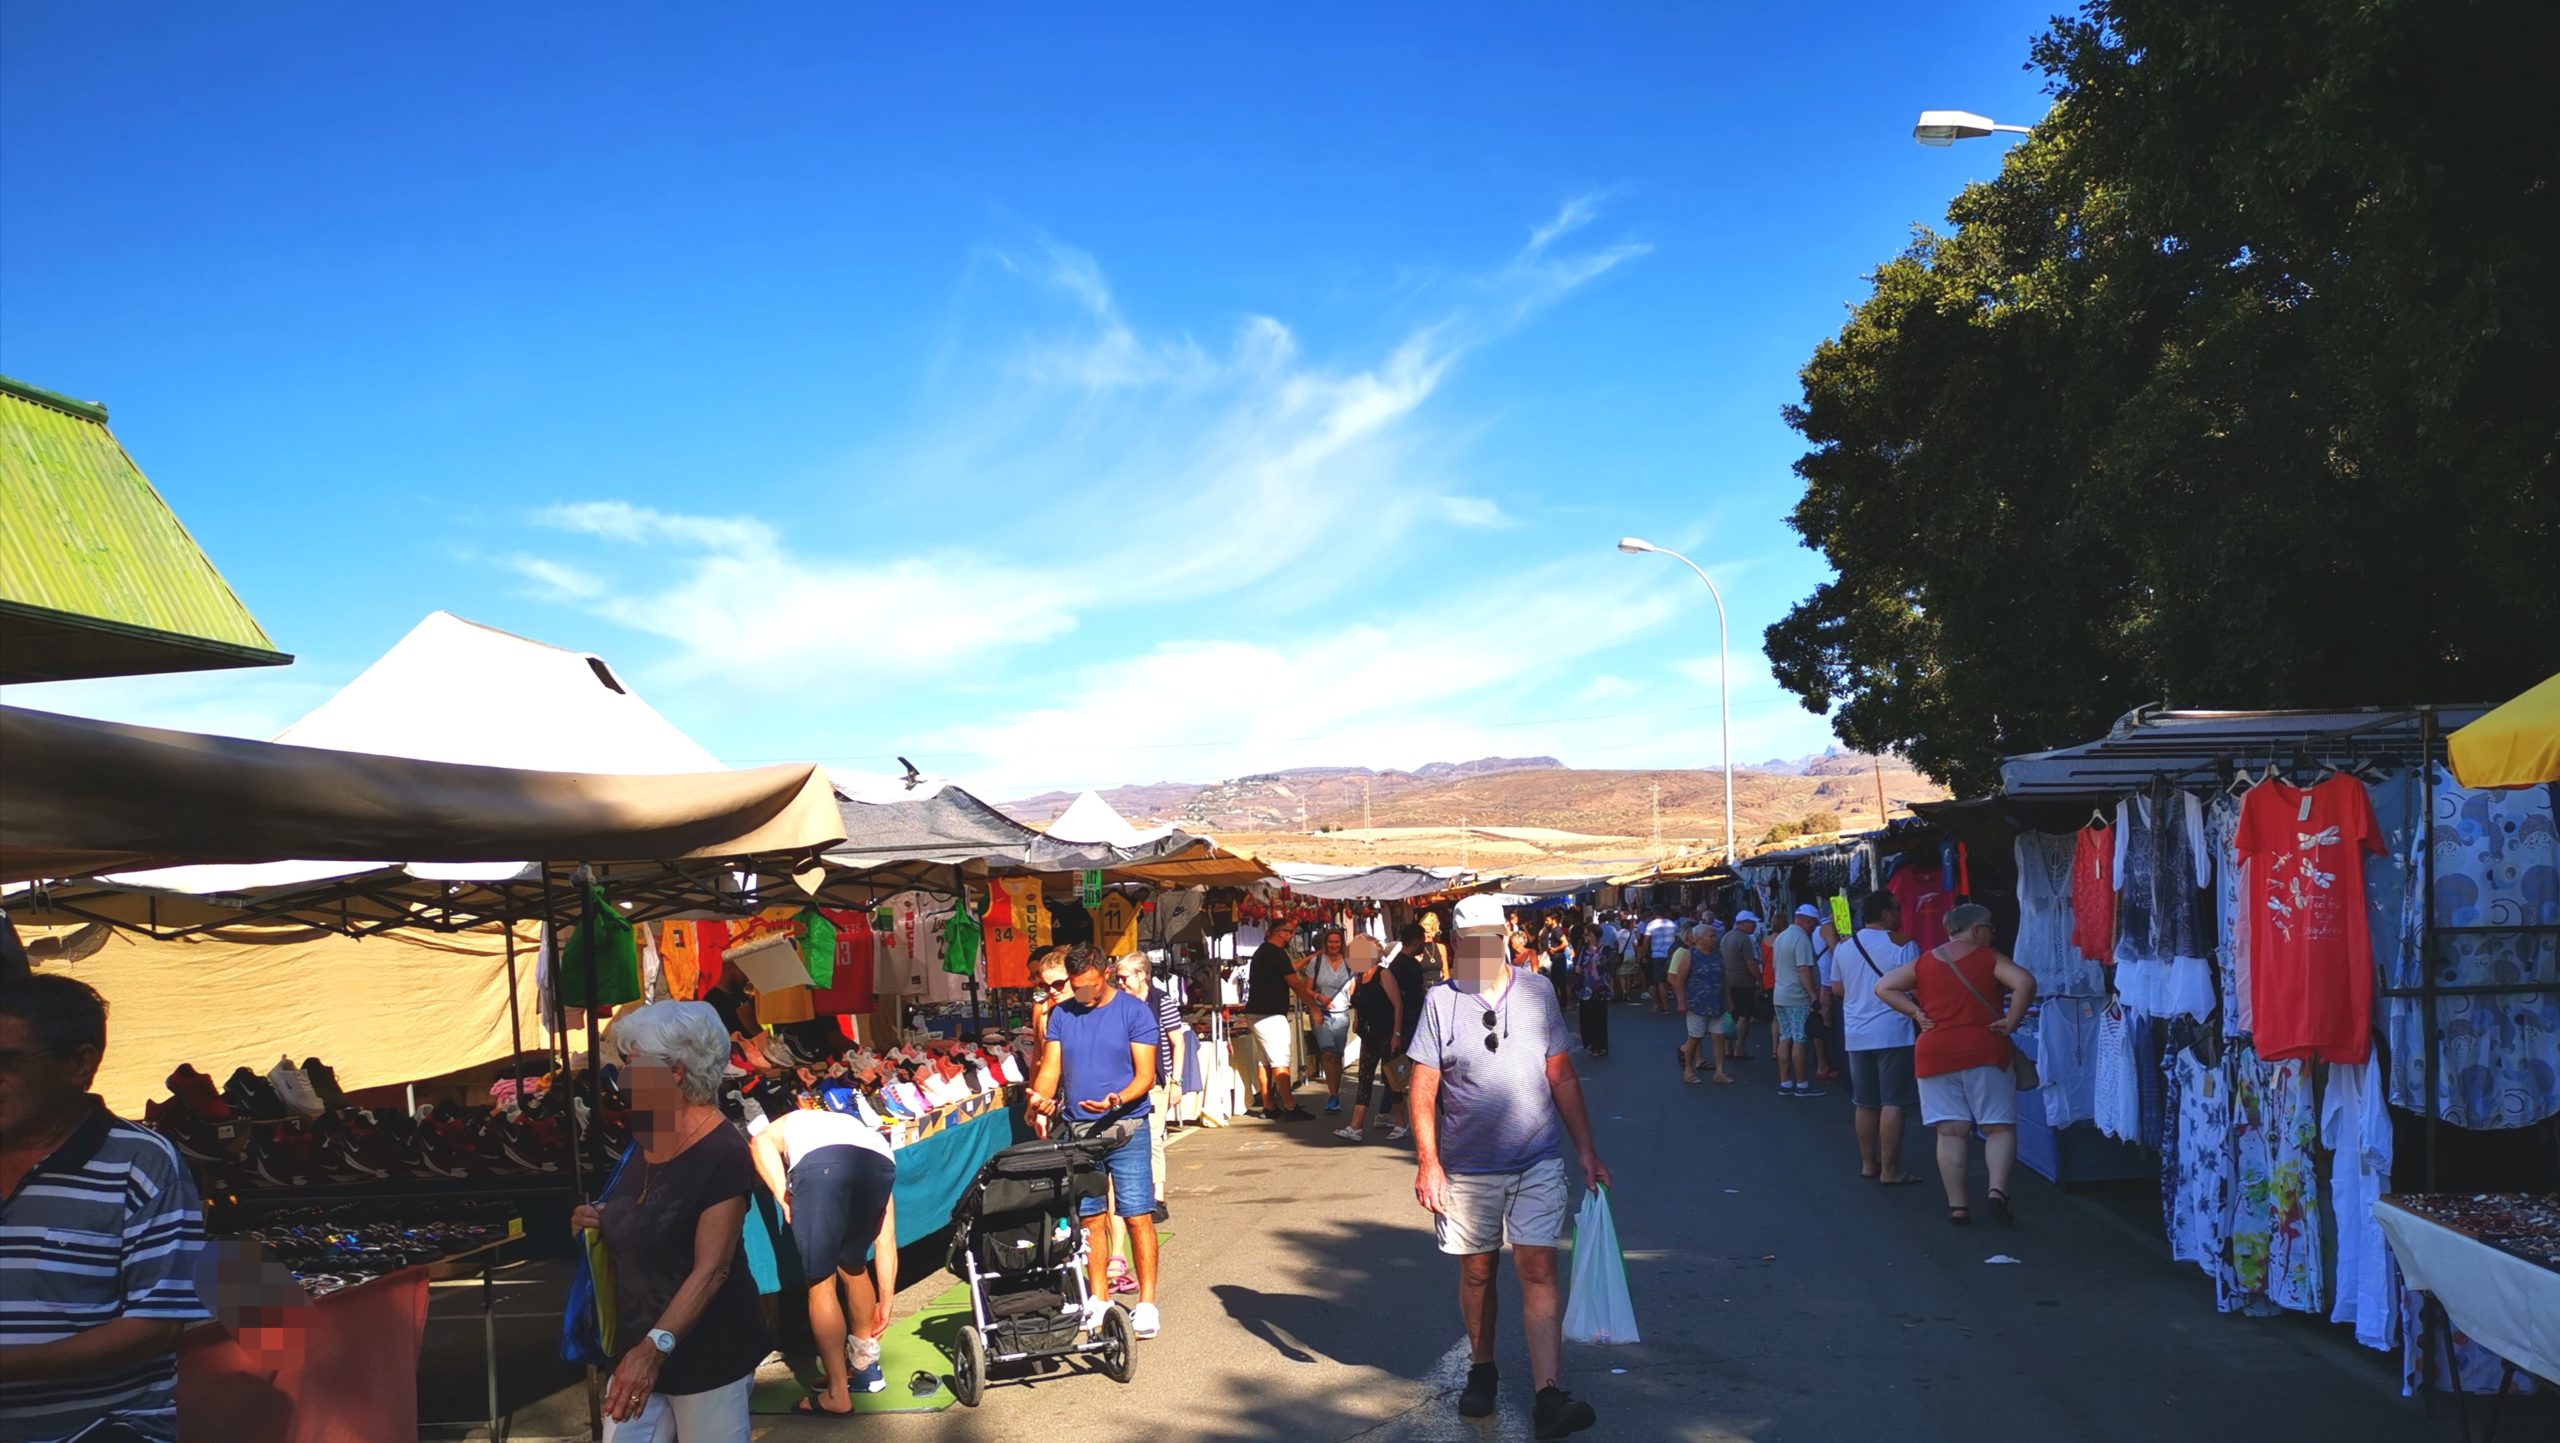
(1068, 1135)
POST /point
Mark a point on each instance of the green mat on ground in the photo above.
(917, 1342)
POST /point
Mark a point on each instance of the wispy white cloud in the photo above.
(1608, 686)
(1476, 512)
(1091, 469)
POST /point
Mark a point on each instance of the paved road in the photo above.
(1780, 1296)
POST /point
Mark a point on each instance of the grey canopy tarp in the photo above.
(80, 797)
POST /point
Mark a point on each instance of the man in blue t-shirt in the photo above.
(1100, 1054)
(1495, 1101)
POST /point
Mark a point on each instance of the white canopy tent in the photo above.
(1090, 819)
(457, 691)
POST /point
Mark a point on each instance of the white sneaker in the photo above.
(1143, 1320)
(1095, 1310)
(295, 1090)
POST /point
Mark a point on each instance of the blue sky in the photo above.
(1057, 396)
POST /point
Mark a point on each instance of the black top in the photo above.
(1407, 970)
(1266, 992)
(731, 1003)
(1369, 1005)
(650, 1244)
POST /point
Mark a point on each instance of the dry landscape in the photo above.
(1511, 813)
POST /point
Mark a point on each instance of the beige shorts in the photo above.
(1486, 1209)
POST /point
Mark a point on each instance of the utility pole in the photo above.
(1365, 823)
(1657, 819)
(1880, 811)
(1466, 846)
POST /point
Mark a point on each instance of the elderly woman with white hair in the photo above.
(1964, 1053)
(685, 1316)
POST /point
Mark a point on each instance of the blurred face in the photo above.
(37, 1086)
(1091, 988)
(657, 1090)
(1475, 962)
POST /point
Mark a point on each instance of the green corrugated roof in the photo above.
(97, 576)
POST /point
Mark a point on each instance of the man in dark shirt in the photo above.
(1273, 979)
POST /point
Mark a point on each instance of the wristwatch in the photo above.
(662, 1340)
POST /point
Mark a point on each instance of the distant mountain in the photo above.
(1497, 793)
(1268, 801)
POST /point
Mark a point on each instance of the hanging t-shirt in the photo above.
(817, 946)
(1030, 909)
(785, 1004)
(1008, 938)
(851, 990)
(2310, 958)
(1115, 925)
(1925, 901)
(962, 940)
(600, 945)
(711, 948)
(680, 960)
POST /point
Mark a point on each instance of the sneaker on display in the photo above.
(324, 1081)
(295, 1089)
(1144, 1320)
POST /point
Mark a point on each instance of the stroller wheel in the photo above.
(969, 1367)
(1119, 1347)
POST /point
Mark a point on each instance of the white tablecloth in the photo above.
(2500, 1301)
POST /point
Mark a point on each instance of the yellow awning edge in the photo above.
(2516, 745)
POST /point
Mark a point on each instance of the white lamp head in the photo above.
(1633, 547)
(1946, 127)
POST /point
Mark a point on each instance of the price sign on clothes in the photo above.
(1840, 915)
(1092, 889)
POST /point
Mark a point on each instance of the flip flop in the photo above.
(809, 1404)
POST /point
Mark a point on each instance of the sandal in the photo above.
(1960, 1215)
(2000, 1212)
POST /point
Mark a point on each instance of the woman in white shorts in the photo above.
(1963, 1054)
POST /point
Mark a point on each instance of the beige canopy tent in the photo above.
(81, 797)
(380, 1010)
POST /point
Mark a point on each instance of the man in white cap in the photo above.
(1494, 1100)
(1798, 986)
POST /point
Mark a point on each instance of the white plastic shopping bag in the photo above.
(1598, 1310)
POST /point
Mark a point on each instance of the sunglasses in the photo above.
(1061, 985)
(1492, 1039)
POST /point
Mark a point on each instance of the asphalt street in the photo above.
(1780, 1297)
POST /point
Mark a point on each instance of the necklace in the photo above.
(649, 1170)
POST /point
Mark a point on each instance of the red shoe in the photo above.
(197, 1093)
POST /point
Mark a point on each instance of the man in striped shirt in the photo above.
(100, 1226)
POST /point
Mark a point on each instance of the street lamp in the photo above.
(1946, 127)
(1724, 672)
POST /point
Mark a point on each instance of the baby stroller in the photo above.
(1018, 1242)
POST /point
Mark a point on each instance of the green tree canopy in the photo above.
(2237, 388)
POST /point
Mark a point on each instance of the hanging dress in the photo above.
(2137, 949)
(2045, 919)
(2181, 918)
(2117, 1105)
(2093, 894)
(2231, 927)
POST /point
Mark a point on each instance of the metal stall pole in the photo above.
(572, 1131)
(2427, 1017)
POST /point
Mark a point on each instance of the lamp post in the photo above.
(1724, 672)
(1946, 127)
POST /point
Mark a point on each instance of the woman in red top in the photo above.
(1963, 1052)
